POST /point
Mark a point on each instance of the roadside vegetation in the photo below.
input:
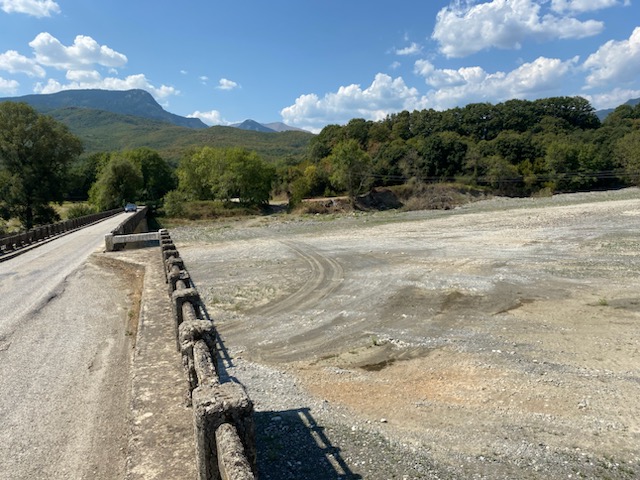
(409, 160)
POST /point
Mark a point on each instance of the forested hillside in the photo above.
(518, 147)
(103, 131)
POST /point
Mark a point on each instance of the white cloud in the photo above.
(412, 49)
(615, 62)
(84, 76)
(225, 84)
(85, 51)
(36, 8)
(384, 96)
(212, 117)
(464, 29)
(580, 6)
(10, 87)
(451, 88)
(86, 79)
(612, 99)
(12, 62)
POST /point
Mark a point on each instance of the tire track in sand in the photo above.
(325, 275)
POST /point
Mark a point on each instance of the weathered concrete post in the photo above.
(108, 242)
(213, 406)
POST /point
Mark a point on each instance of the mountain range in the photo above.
(135, 102)
(273, 127)
(108, 121)
(602, 114)
(138, 103)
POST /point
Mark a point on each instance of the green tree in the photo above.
(250, 178)
(502, 175)
(84, 173)
(627, 155)
(215, 173)
(351, 168)
(193, 173)
(157, 175)
(119, 181)
(35, 154)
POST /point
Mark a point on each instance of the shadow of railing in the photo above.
(291, 445)
(224, 359)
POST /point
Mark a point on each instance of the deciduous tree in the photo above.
(351, 168)
(119, 181)
(35, 153)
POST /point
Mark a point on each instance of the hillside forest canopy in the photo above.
(515, 148)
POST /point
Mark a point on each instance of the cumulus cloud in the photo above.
(212, 117)
(451, 88)
(384, 96)
(615, 62)
(464, 29)
(35, 8)
(412, 49)
(612, 99)
(581, 6)
(89, 79)
(225, 84)
(85, 51)
(10, 87)
(12, 62)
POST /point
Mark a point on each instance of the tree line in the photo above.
(518, 147)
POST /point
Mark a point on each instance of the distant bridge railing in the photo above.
(124, 234)
(15, 242)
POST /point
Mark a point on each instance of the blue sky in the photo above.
(315, 62)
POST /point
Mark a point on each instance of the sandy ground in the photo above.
(500, 339)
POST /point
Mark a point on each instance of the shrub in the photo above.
(174, 203)
(80, 210)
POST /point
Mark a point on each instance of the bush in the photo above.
(174, 203)
(177, 205)
(80, 210)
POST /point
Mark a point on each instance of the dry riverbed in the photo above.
(497, 340)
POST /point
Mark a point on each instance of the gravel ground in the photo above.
(498, 340)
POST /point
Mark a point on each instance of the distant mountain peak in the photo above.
(273, 127)
(135, 102)
(253, 125)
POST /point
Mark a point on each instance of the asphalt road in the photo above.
(64, 357)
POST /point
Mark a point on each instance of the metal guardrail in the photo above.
(15, 242)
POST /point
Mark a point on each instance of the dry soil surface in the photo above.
(497, 340)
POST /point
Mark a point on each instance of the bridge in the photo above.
(76, 399)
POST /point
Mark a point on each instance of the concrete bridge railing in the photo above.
(124, 233)
(222, 411)
(13, 243)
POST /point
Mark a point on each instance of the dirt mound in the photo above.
(381, 199)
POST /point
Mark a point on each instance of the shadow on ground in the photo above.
(291, 445)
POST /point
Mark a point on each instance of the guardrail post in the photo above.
(108, 242)
(213, 406)
(174, 277)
